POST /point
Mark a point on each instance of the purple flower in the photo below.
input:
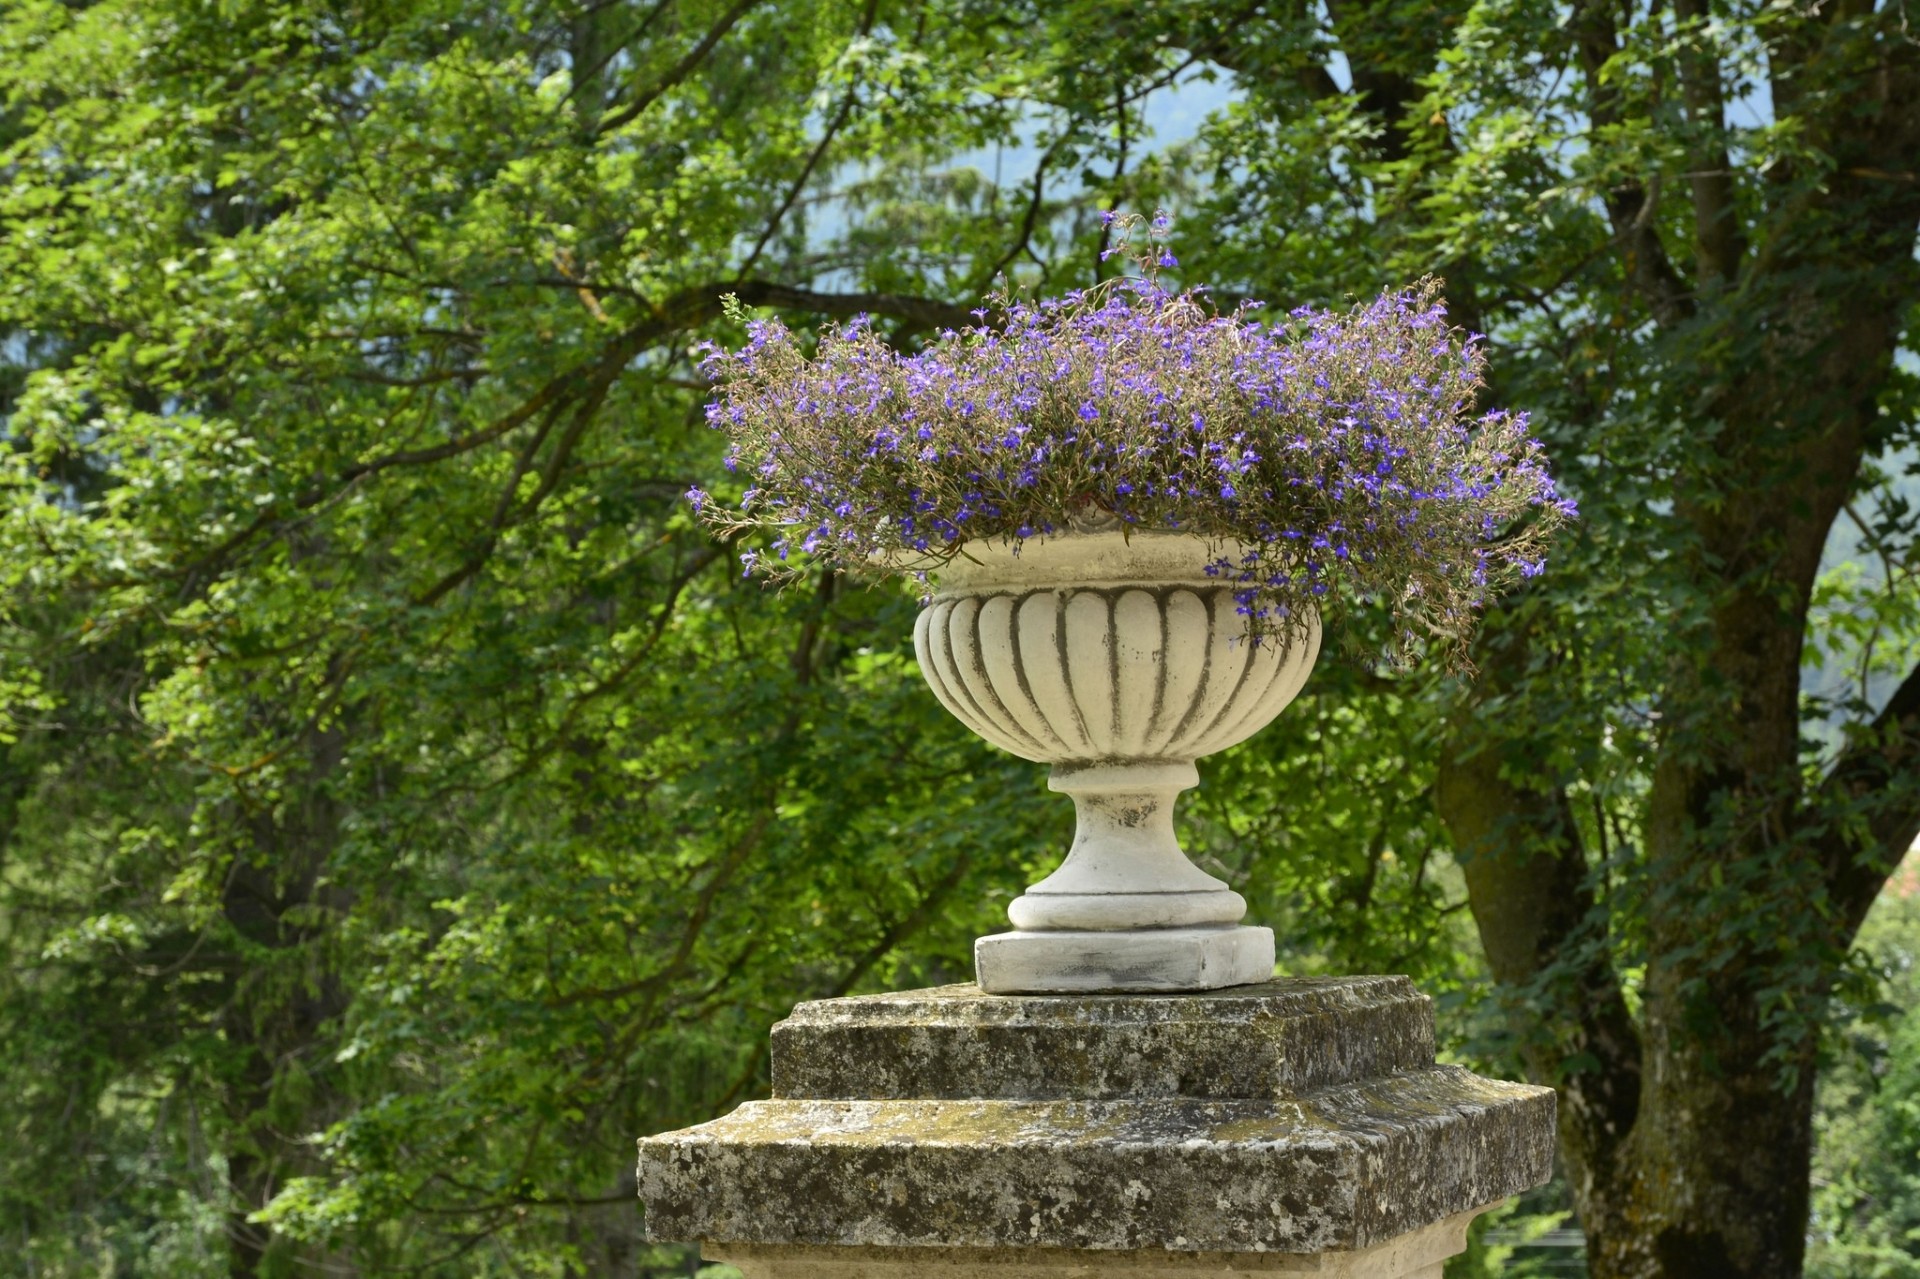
(1350, 437)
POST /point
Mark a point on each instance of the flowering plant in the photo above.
(1323, 451)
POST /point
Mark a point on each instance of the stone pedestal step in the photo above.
(1287, 1127)
(1275, 1039)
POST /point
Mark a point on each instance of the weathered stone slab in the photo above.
(1341, 1168)
(1275, 1039)
(1291, 1117)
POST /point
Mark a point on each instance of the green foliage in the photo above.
(404, 803)
(409, 806)
(1866, 1197)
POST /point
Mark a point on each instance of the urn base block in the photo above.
(1147, 959)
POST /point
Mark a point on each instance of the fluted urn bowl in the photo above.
(1118, 660)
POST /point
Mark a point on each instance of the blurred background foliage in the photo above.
(403, 802)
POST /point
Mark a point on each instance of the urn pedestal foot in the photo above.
(1147, 959)
(1126, 911)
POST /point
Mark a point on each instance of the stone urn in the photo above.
(1116, 659)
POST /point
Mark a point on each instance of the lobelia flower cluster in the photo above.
(1325, 454)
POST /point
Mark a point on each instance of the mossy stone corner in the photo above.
(1289, 1118)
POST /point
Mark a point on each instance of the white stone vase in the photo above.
(1118, 661)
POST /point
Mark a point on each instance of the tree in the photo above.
(1705, 315)
(405, 804)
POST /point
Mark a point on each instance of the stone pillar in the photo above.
(1291, 1127)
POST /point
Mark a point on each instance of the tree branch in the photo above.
(685, 310)
(1868, 810)
(502, 507)
(925, 312)
(867, 18)
(1719, 241)
(799, 183)
(677, 963)
(1630, 204)
(680, 70)
(587, 74)
(1032, 218)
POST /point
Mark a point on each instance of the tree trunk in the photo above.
(249, 1188)
(1720, 1159)
(1687, 1130)
(283, 999)
(1688, 1158)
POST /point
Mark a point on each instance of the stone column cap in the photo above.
(1275, 1039)
(1295, 1116)
(1352, 1167)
